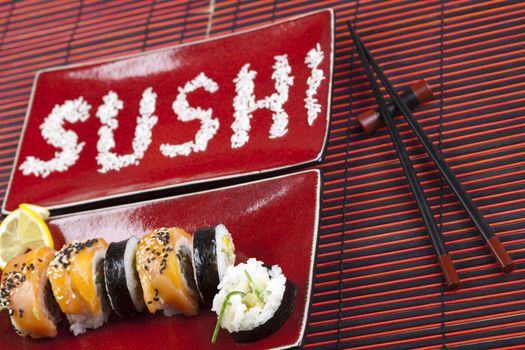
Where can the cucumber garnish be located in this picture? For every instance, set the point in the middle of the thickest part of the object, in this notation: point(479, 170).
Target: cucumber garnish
point(228, 248)
point(253, 286)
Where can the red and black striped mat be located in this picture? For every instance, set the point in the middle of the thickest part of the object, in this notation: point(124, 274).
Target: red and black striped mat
point(377, 284)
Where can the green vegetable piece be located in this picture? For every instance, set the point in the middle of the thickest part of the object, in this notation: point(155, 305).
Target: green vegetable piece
point(228, 248)
point(253, 286)
point(221, 314)
point(251, 300)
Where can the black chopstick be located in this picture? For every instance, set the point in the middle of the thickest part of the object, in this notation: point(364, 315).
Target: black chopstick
point(493, 242)
point(445, 262)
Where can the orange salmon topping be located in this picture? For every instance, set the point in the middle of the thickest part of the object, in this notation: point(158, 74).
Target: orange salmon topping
point(22, 293)
point(71, 275)
point(161, 273)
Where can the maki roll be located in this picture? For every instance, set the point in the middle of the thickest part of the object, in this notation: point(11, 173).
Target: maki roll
point(122, 281)
point(166, 272)
point(253, 301)
point(77, 279)
point(213, 252)
point(26, 293)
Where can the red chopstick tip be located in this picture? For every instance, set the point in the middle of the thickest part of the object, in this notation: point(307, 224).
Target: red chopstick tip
point(503, 258)
point(449, 271)
point(370, 121)
point(423, 91)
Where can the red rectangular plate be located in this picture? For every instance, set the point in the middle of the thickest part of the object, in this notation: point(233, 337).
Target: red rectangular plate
point(83, 141)
point(273, 220)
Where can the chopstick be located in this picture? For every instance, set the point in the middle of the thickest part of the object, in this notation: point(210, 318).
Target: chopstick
point(445, 262)
point(492, 241)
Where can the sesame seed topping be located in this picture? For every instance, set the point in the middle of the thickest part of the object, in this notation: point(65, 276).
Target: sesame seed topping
point(152, 254)
point(64, 258)
point(10, 282)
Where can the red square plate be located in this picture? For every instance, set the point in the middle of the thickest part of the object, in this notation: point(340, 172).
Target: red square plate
point(235, 105)
point(274, 220)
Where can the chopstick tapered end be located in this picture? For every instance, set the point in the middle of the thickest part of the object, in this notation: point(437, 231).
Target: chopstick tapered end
point(449, 272)
point(503, 258)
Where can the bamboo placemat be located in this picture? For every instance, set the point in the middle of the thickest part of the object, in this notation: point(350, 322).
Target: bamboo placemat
point(377, 284)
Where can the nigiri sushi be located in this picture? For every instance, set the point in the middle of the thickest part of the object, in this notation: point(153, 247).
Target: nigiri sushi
point(166, 272)
point(77, 279)
point(213, 252)
point(26, 293)
point(254, 301)
point(122, 281)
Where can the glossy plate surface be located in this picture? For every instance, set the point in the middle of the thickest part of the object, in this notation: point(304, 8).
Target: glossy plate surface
point(273, 220)
point(167, 72)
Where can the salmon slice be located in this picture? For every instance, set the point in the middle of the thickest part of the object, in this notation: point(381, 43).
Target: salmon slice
point(73, 273)
point(24, 291)
point(166, 273)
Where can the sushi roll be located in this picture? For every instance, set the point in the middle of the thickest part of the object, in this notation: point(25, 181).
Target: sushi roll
point(26, 293)
point(77, 279)
point(166, 272)
point(213, 252)
point(122, 281)
point(253, 301)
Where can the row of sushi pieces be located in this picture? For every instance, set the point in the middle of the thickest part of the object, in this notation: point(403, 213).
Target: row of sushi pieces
point(167, 270)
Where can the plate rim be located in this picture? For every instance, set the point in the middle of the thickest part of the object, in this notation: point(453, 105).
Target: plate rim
point(70, 204)
point(315, 233)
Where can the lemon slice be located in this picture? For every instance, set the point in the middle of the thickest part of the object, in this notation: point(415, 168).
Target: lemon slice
point(20, 231)
point(42, 212)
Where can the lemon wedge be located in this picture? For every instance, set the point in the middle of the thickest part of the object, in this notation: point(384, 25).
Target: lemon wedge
point(42, 212)
point(21, 231)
